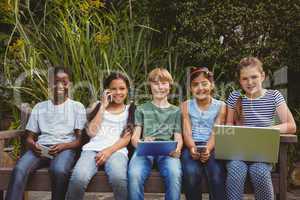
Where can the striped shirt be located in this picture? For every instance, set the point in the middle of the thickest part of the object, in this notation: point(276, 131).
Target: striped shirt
point(257, 112)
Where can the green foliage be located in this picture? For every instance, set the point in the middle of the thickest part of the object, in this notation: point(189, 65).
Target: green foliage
point(267, 29)
point(93, 38)
point(90, 37)
point(294, 150)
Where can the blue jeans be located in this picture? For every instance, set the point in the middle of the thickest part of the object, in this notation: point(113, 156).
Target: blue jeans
point(194, 170)
point(59, 170)
point(260, 176)
point(140, 169)
point(115, 168)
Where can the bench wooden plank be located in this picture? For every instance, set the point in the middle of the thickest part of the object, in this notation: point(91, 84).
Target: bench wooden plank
point(288, 138)
point(282, 165)
point(11, 134)
point(40, 181)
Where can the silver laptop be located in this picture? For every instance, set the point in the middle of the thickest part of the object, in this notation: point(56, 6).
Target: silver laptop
point(257, 144)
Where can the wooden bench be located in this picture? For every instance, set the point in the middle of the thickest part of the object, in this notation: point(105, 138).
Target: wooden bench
point(40, 180)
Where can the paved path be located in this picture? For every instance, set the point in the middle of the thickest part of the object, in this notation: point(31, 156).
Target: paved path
point(108, 196)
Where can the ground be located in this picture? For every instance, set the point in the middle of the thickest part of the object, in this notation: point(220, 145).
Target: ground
point(293, 195)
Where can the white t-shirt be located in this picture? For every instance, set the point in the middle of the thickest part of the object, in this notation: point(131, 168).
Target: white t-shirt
point(109, 132)
point(55, 124)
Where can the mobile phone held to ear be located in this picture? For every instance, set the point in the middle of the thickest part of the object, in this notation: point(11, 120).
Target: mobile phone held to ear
point(109, 98)
point(108, 95)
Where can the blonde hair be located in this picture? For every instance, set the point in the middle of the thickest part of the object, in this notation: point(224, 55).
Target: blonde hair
point(160, 74)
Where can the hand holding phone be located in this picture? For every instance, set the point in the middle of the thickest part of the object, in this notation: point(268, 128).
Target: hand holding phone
point(201, 148)
point(45, 152)
point(194, 153)
point(106, 98)
point(204, 153)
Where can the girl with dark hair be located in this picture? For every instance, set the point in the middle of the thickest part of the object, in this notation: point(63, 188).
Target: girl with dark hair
point(109, 129)
point(254, 106)
point(199, 115)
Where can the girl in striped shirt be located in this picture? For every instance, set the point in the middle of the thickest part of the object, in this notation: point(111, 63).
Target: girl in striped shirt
point(254, 106)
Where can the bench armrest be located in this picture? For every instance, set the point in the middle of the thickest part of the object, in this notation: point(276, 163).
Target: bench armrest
point(9, 134)
point(288, 138)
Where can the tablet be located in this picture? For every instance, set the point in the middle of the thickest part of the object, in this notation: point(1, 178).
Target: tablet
point(156, 148)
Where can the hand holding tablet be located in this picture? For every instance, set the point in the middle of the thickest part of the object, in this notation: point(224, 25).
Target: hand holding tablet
point(156, 148)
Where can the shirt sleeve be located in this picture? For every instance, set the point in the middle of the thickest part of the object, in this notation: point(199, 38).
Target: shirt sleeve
point(232, 99)
point(138, 117)
point(278, 98)
point(80, 117)
point(178, 122)
point(32, 124)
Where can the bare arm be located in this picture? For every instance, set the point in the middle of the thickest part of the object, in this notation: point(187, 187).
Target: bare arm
point(219, 120)
point(230, 116)
point(286, 118)
point(121, 143)
point(31, 143)
point(76, 143)
point(31, 138)
point(187, 128)
point(94, 125)
point(103, 155)
point(136, 136)
point(55, 149)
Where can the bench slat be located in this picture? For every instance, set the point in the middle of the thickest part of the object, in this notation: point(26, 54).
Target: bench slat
point(40, 181)
point(11, 134)
point(288, 138)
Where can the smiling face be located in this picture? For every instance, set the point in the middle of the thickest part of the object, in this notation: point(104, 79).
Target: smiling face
point(61, 85)
point(119, 90)
point(251, 79)
point(160, 89)
point(201, 87)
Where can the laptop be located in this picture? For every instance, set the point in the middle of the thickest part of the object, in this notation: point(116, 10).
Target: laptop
point(256, 144)
point(155, 148)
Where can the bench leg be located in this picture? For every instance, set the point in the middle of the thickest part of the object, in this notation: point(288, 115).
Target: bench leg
point(283, 171)
point(1, 194)
point(26, 196)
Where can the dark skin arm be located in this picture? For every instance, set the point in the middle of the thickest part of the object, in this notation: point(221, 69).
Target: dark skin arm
point(57, 148)
point(31, 143)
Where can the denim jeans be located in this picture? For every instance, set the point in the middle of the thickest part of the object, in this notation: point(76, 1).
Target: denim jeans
point(115, 168)
point(140, 169)
point(59, 169)
point(194, 170)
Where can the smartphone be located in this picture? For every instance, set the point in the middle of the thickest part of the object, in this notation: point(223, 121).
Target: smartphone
point(201, 148)
point(109, 98)
point(45, 151)
point(108, 94)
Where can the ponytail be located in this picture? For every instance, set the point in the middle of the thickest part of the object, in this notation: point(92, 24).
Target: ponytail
point(238, 112)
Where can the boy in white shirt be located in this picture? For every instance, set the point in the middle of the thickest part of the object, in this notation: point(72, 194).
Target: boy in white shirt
point(55, 124)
